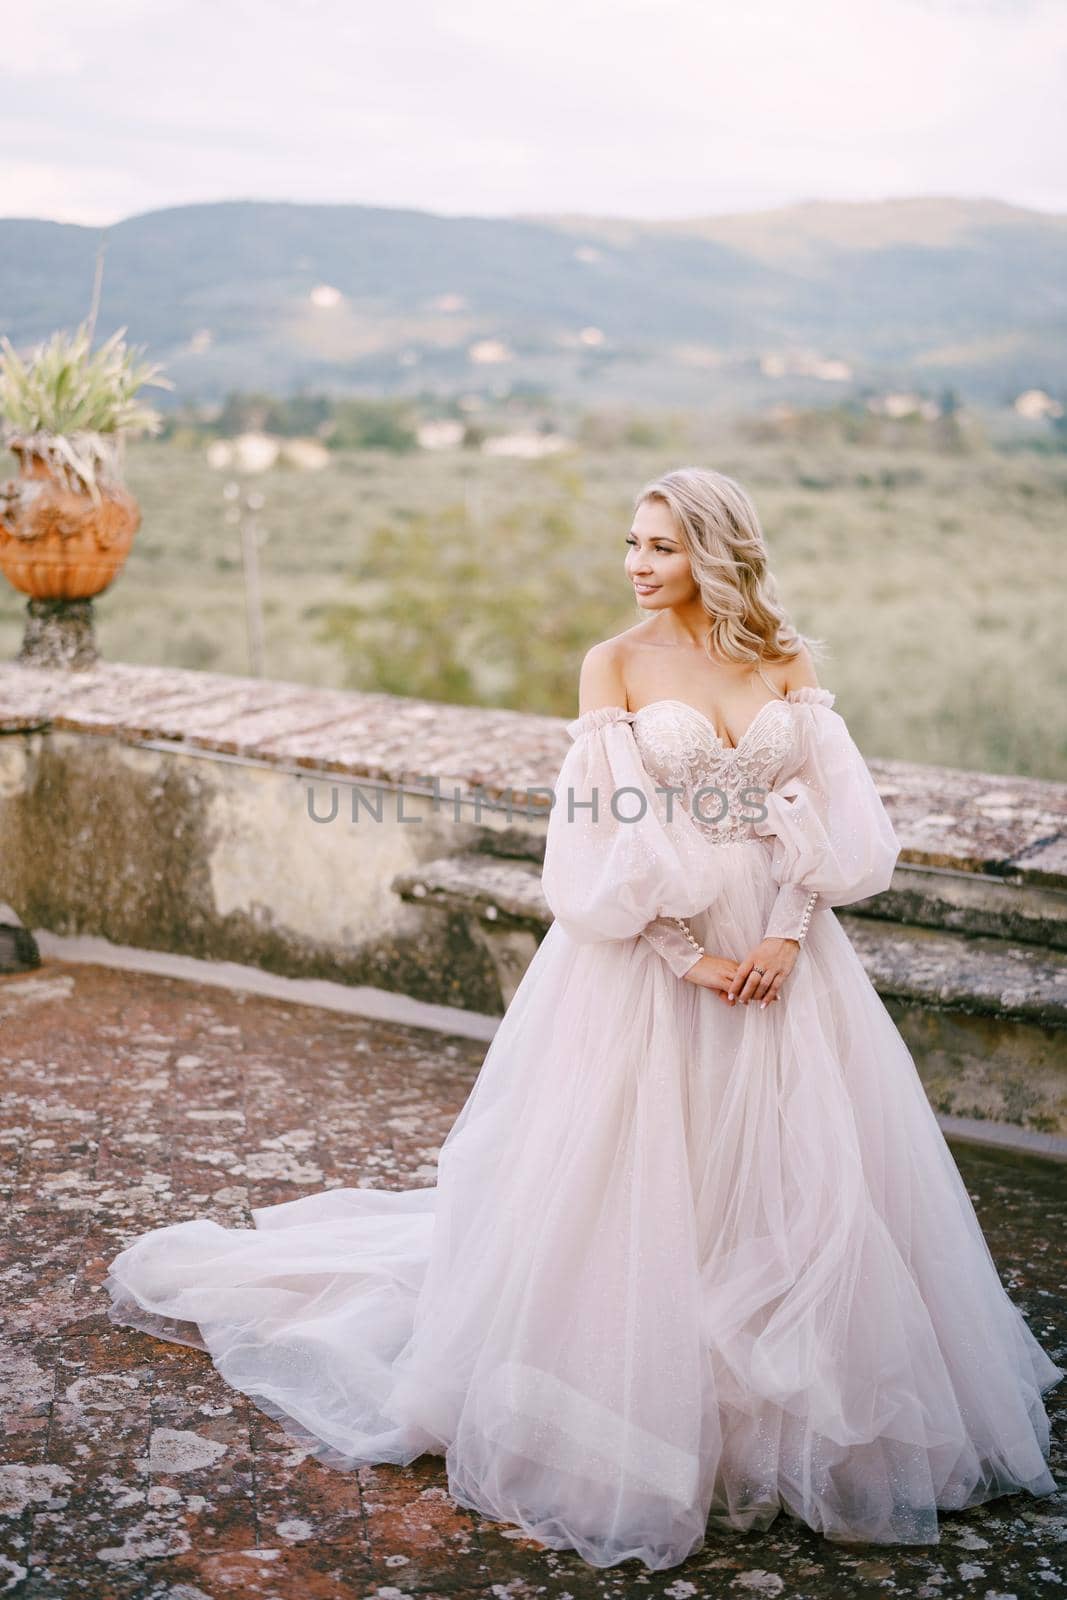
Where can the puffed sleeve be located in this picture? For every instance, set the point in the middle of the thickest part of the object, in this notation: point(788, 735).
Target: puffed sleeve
point(831, 839)
point(623, 858)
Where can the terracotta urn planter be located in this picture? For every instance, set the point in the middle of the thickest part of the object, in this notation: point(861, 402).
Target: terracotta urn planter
point(58, 543)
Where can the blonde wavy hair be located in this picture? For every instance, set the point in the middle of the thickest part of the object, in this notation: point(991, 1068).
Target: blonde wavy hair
point(720, 530)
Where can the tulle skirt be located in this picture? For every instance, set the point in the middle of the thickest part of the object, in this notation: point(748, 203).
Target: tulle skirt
point(685, 1266)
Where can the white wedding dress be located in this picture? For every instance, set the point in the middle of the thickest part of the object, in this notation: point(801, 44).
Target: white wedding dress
point(685, 1264)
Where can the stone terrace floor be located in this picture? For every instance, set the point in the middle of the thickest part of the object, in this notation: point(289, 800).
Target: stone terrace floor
point(131, 1469)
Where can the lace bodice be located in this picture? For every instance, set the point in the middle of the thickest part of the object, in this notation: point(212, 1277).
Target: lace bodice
point(719, 785)
point(794, 783)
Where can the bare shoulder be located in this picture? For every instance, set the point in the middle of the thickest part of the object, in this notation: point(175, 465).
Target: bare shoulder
point(603, 677)
point(605, 673)
point(800, 671)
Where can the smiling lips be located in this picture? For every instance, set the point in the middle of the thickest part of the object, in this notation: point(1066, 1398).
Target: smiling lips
point(646, 588)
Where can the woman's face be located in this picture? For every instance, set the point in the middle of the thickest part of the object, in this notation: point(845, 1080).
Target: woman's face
point(656, 563)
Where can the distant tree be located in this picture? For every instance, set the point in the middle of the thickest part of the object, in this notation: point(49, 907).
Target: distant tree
point(300, 414)
point(946, 432)
point(243, 412)
point(373, 425)
point(1059, 426)
point(452, 608)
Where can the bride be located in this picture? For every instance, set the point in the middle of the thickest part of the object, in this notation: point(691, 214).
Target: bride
point(697, 1253)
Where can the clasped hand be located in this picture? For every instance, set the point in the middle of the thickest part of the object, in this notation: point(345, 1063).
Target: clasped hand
point(737, 981)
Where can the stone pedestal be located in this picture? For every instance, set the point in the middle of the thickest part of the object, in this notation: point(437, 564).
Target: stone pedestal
point(18, 949)
point(59, 634)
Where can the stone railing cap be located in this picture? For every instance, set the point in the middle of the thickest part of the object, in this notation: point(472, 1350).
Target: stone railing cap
point(944, 816)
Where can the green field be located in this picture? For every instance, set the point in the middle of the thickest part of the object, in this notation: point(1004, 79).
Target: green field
point(936, 578)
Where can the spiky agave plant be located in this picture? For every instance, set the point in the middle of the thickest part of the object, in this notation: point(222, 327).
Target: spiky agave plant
point(71, 408)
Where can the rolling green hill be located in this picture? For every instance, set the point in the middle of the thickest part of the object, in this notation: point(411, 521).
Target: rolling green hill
point(722, 311)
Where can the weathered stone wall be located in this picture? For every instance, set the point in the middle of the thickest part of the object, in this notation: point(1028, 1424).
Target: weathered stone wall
point(170, 810)
point(222, 859)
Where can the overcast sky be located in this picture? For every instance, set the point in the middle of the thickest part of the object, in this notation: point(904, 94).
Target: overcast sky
point(649, 108)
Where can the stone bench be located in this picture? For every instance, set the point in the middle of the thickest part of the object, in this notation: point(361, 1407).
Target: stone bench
point(976, 974)
point(985, 1017)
